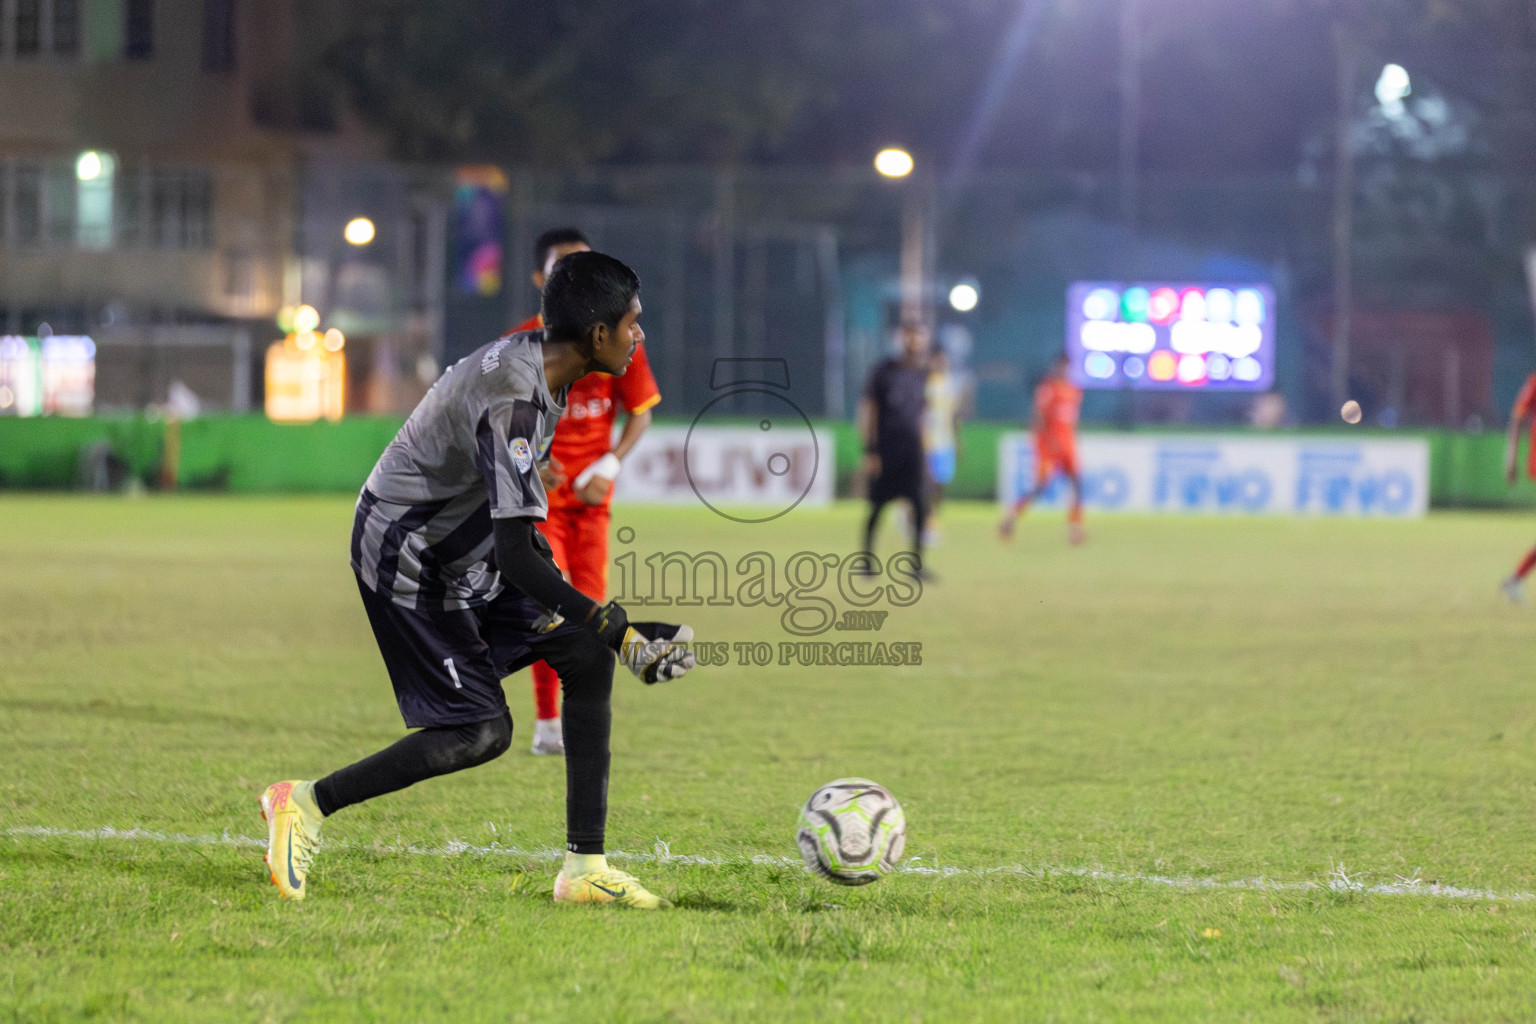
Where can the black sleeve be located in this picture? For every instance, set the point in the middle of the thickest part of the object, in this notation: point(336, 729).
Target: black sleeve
point(534, 573)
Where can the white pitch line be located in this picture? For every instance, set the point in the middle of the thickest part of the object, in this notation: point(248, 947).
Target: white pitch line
point(1338, 879)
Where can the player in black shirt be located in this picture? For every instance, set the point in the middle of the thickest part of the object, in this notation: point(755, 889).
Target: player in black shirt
point(891, 425)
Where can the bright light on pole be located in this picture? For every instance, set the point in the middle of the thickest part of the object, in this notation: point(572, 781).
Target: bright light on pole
point(359, 231)
point(88, 167)
point(1393, 86)
point(964, 296)
point(898, 163)
point(893, 163)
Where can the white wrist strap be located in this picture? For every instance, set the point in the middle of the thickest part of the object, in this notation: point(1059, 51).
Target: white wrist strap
point(606, 467)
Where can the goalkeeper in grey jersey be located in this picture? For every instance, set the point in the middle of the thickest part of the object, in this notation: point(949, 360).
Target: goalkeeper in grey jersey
point(461, 590)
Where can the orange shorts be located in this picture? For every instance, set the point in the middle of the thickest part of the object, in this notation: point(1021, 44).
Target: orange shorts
point(579, 539)
point(1052, 459)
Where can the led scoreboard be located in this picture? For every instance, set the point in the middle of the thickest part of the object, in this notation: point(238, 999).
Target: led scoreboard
point(1171, 337)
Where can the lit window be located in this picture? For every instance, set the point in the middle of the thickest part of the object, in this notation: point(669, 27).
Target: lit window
point(95, 175)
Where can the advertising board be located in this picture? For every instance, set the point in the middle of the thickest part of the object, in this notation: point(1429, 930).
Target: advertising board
point(725, 466)
point(1216, 474)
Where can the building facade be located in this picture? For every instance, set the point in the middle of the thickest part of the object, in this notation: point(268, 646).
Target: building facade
point(155, 161)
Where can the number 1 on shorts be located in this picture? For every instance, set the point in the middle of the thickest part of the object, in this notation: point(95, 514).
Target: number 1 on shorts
point(453, 672)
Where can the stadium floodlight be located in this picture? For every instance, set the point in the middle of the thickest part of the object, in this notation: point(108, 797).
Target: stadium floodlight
point(359, 231)
point(1393, 86)
point(893, 163)
point(964, 296)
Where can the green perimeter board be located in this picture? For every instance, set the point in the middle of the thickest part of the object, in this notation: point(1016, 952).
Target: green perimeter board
point(251, 454)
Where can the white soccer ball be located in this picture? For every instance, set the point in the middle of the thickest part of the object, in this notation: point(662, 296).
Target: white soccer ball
point(851, 831)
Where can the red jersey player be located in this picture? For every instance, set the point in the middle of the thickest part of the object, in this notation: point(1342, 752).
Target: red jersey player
point(1057, 402)
point(582, 469)
point(1523, 412)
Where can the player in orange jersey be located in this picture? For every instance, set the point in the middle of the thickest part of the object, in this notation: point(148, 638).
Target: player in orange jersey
point(1523, 412)
point(582, 469)
point(1057, 402)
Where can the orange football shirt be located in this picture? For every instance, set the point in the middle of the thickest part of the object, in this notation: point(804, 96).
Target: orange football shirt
point(585, 432)
point(1057, 403)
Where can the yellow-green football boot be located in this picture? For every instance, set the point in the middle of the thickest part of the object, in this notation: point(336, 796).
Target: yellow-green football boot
point(293, 834)
point(603, 884)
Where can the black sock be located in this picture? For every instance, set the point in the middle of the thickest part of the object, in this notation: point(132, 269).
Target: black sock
point(587, 724)
point(420, 755)
point(586, 717)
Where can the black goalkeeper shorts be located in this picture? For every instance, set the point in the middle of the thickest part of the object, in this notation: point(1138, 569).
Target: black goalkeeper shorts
point(447, 666)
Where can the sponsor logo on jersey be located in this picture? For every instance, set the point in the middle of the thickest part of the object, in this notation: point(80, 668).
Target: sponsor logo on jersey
point(592, 408)
point(522, 454)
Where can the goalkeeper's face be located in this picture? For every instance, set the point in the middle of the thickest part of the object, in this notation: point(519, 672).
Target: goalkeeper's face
point(613, 348)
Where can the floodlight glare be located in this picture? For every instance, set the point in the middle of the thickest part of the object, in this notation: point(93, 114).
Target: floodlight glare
point(1393, 85)
point(893, 163)
point(359, 231)
point(88, 167)
point(964, 296)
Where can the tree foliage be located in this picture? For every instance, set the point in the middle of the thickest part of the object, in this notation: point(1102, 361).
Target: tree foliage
point(1226, 85)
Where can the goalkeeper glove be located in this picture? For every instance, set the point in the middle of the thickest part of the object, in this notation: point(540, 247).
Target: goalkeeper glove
point(654, 651)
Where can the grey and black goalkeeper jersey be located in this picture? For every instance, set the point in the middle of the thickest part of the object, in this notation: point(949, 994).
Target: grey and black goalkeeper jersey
point(467, 455)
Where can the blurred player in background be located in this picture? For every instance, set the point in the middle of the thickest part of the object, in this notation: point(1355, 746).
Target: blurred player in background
point(1057, 404)
point(461, 591)
point(891, 425)
point(1524, 412)
point(579, 478)
point(941, 419)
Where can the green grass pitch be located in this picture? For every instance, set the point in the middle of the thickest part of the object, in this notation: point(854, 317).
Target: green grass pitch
point(1130, 730)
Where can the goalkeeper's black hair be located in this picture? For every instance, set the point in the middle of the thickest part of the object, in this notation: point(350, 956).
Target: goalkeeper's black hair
point(585, 289)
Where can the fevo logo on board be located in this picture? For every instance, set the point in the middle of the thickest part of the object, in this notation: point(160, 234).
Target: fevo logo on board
point(1205, 474)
